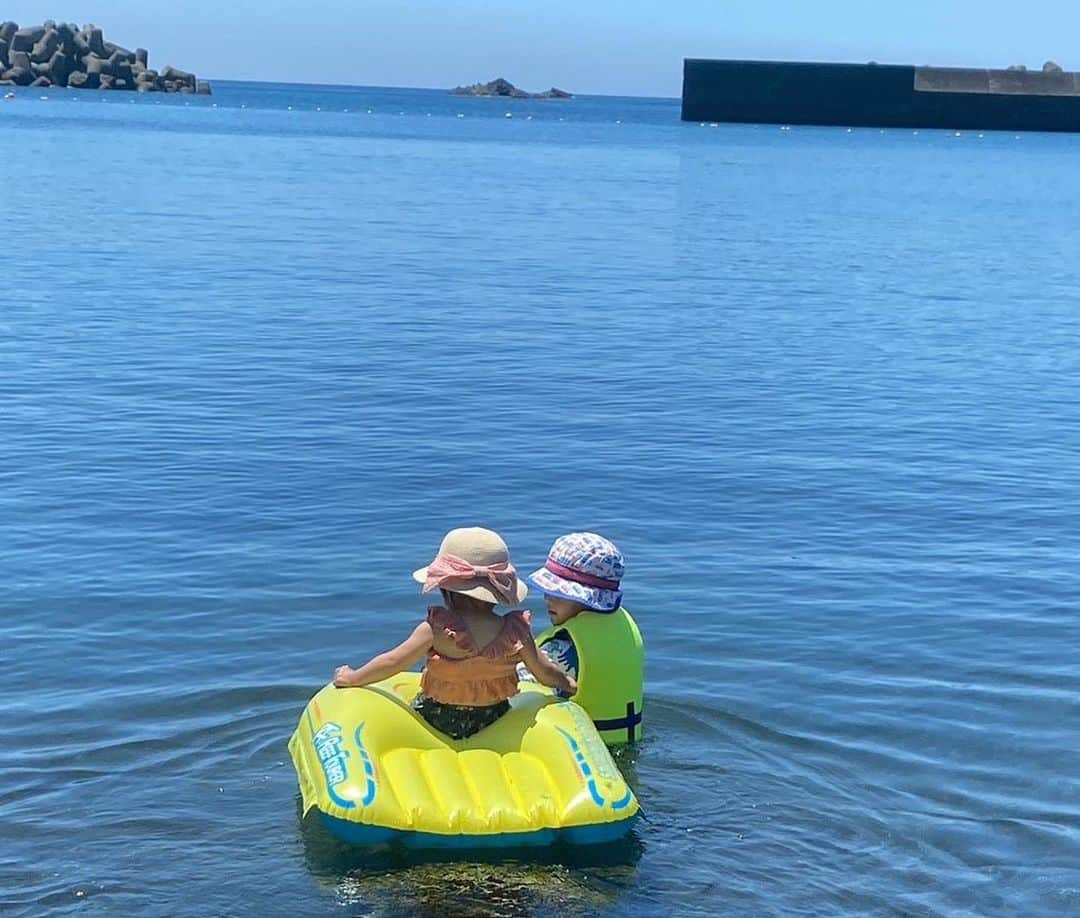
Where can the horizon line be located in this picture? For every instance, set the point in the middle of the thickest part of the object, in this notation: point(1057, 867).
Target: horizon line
point(601, 95)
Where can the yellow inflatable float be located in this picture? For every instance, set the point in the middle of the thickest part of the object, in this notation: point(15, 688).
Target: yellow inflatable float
point(377, 772)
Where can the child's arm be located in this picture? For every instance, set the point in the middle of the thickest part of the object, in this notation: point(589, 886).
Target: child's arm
point(544, 670)
point(406, 655)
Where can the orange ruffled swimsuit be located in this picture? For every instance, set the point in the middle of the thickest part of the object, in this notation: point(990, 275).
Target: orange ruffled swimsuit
point(480, 676)
point(459, 696)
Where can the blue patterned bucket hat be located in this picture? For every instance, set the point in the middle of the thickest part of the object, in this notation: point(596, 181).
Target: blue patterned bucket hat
point(585, 568)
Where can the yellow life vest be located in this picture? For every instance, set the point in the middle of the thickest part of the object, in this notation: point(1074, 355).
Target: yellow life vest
point(611, 671)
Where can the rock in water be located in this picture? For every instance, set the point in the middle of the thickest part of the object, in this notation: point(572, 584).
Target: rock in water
point(25, 39)
point(66, 54)
point(116, 61)
point(129, 56)
point(95, 66)
point(46, 47)
point(59, 68)
point(507, 90)
point(172, 74)
point(20, 76)
point(95, 41)
point(67, 38)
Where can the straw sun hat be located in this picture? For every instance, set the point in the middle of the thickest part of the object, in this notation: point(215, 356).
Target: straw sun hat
point(474, 562)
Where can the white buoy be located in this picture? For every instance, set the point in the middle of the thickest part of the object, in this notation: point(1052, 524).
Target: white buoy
point(508, 115)
point(460, 115)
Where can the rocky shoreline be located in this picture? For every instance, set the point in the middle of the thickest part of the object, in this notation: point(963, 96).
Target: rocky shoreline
point(507, 90)
point(64, 55)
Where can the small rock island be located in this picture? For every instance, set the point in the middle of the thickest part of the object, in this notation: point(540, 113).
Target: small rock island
point(507, 90)
point(64, 55)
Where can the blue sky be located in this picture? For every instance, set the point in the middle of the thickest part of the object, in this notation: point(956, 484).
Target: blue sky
point(632, 47)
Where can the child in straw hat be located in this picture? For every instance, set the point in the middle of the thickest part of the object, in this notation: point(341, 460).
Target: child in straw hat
point(471, 652)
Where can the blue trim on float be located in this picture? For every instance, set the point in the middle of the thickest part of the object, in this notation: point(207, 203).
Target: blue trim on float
point(579, 756)
point(598, 835)
point(356, 834)
point(369, 769)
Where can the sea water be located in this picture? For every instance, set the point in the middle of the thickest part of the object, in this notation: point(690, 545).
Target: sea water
point(258, 352)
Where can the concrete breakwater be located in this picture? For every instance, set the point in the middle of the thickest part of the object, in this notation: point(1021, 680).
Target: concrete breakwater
point(876, 95)
point(62, 54)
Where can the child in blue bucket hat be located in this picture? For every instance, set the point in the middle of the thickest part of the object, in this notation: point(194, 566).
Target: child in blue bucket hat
point(591, 635)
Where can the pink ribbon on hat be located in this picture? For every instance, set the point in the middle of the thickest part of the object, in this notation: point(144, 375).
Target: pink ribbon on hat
point(447, 568)
point(569, 573)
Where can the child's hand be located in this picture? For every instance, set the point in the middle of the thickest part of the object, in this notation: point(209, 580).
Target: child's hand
point(571, 685)
point(343, 676)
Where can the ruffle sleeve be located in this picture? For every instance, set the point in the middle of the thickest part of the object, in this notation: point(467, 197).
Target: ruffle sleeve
point(443, 621)
point(517, 631)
